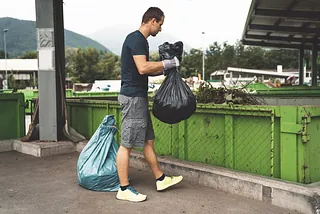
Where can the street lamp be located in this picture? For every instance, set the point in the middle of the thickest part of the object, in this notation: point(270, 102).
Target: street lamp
point(5, 55)
point(203, 55)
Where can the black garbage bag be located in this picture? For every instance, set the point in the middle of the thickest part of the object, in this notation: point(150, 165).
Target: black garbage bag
point(174, 101)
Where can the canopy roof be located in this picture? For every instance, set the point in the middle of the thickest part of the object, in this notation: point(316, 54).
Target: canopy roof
point(292, 24)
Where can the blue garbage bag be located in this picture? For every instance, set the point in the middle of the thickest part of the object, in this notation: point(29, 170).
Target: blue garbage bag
point(97, 169)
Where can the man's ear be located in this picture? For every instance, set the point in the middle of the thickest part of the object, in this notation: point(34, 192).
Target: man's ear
point(153, 20)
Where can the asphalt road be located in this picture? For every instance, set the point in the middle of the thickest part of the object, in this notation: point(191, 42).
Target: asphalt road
point(49, 186)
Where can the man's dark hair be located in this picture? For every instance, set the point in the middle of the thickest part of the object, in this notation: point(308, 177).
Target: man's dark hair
point(152, 12)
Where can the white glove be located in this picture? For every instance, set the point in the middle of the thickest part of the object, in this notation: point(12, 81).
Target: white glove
point(171, 63)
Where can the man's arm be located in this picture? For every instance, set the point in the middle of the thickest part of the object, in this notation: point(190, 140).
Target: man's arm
point(146, 67)
point(154, 68)
point(156, 73)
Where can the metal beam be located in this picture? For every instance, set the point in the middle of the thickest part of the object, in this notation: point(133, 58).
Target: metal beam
point(60, 65)
point(288, 14)
point(301, 67)
point(292, 5)
point(284, 29)
point(253, 5)
point(277, 23)
point(276, 45)
point(314, 78)
point(281, 38)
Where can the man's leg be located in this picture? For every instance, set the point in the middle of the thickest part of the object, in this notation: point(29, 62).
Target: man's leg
point(126, 192)
point(128, 135)
point(123, 156)
point(163, 182)
point(151, 158)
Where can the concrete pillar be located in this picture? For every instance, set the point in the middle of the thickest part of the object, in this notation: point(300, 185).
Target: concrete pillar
point(301, 67)
point(49, 24)
point(314, 64)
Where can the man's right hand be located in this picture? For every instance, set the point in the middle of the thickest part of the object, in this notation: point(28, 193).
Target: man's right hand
point(170, 63)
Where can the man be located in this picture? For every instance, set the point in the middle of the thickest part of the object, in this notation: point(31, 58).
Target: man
point(137, 130)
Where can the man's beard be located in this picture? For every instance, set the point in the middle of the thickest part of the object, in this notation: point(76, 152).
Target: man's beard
point(154, 34)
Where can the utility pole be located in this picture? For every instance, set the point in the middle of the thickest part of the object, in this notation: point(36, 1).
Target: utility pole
point(203, 52)
point(5, 57)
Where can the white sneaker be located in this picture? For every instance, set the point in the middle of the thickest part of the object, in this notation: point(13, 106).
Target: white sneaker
point(168, 182)
point(130, 194)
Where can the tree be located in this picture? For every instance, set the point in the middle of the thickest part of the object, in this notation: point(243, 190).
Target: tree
point(254, 57)
point(11, 81)
point(88, 65)
point(109, 67)
point(191, 63)
point(117, 70)
point(29, 55)
point(69, 62)
point(2, 55)
point(228, 56)
point(154, 57)
point(221, 56)
point(214, 60)
point(84, 65)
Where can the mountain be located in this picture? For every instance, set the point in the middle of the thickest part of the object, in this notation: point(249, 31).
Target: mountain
point(21, 37)
point(113, 37)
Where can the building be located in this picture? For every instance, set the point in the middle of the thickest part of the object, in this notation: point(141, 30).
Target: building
point(21, 69)
point(235, 75)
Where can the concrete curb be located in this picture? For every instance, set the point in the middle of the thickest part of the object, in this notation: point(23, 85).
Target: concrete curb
point(42, 149)
point(293, 196)
point(38, 149)
point(6, 145)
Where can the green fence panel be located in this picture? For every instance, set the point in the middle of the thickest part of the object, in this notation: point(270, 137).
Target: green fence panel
point(273, 141)
point(206, 148)
point(289, 143)
point(309, 158)
point(12, 114)
point(163, 132)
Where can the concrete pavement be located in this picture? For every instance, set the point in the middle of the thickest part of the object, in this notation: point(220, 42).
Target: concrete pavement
point(48, 185)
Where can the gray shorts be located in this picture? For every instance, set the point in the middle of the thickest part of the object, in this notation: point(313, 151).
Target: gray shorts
point(136, 127)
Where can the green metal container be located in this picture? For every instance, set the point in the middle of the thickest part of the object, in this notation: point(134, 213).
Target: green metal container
point(12, 116)
point(274, 141)
point(94, 94)
point(296, 91)
point(5, 91)
point(31, 94)
point(87, 94)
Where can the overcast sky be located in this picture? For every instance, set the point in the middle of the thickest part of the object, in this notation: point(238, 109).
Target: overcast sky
point(221, 20)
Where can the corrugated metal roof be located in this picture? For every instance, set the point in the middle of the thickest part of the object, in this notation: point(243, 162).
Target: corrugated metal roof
point(19, 65)
point(283, 23)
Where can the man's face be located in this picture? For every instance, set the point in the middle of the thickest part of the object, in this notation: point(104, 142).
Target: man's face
point(156, 26)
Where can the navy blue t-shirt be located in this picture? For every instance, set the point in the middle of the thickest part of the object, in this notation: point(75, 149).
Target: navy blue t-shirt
point(133, 84)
